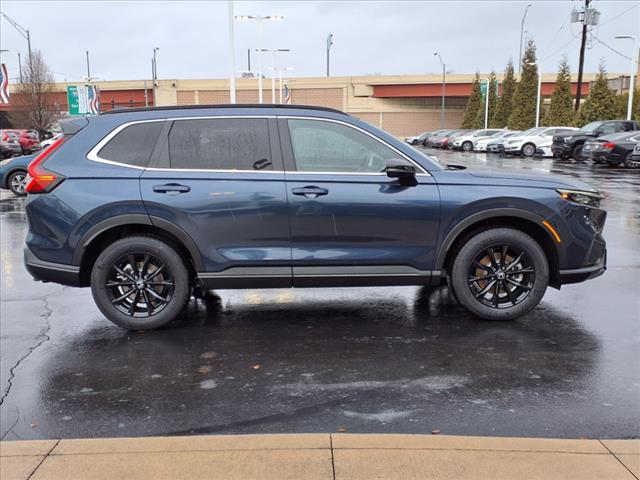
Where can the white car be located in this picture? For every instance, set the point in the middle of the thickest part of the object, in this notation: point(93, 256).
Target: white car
point(527, 142)
point(418, 138)
point(481, 145)
point(466, 142)
point(49, 141)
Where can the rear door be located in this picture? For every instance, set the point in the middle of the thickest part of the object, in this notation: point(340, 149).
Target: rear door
point(350, 223)
point(219, 180)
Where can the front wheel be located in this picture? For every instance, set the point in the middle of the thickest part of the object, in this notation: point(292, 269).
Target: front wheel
point(630, 162)
point(528, 149)
point(17, 183)
point(500, 274)
point(467, 146)
point(140, 283)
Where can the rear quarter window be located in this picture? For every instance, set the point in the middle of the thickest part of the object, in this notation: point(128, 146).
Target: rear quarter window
point(133, 145)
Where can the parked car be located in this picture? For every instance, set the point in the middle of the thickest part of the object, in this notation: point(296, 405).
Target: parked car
point(543, 148)
point(29, 140)
point(634, 160)
point(150, 206)
point(527, 142)
point(497, 146)
point(613, 149)
point(569, 144)
point(433, 140)
point(418, 139)
point(49, 141)
point(466, 142)
point(9, 144)
point(445, 142)
point(13, 174)
point(481, 145)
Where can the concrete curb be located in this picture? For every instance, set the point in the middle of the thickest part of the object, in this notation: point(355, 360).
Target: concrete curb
point(320, 456)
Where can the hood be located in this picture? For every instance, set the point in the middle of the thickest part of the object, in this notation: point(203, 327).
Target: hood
point(505, 178)
point(575, 133)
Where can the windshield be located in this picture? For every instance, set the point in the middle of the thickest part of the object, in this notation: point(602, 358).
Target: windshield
point(531, 131)
point(590, 127)
point(498, 134)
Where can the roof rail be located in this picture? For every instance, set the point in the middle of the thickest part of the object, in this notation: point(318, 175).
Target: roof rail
point(235, 105)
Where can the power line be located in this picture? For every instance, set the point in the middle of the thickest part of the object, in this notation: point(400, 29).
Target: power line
point(613, 49)
point(574, 38)
point(619, 15)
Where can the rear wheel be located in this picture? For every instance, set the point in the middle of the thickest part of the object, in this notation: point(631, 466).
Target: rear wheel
point(577, 153)
point(528, 149)
point(629, 162)
point(140, 283)
point(500, 274)
point(467, 146)
point(17, 182)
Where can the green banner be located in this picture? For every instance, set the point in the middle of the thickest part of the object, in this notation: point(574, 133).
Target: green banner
point(73, 100)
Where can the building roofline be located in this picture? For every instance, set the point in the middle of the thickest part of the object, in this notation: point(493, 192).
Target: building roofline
point(221, 106)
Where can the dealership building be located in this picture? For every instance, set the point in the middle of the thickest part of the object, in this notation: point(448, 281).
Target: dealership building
point(403, 104)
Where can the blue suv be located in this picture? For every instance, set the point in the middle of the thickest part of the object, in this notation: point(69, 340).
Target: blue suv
point(152, 206)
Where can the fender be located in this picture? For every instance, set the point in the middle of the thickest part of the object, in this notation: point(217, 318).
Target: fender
point(139, 219)
point(486, 215)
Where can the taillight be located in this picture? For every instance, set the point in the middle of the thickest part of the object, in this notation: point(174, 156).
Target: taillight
point(42, 180)
point(609, 145)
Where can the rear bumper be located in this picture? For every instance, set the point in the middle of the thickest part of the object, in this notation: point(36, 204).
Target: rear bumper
point(51, 272)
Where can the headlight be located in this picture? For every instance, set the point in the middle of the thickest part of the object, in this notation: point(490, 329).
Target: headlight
point(567, 139)
point(592, 199)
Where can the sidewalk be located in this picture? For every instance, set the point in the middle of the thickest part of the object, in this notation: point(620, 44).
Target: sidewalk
point(320, 456)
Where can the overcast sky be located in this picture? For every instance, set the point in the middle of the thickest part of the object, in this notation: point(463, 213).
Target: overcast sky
point(390, 38)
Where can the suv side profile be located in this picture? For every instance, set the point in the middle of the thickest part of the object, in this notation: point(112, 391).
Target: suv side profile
point(151, 206)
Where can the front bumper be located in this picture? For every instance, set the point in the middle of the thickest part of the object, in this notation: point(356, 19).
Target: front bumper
point(51, 272)
point(561, 150)
point(586, 273)
point(512, 148)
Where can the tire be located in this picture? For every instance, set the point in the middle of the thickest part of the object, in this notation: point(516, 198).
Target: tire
point(576, 154)
point(517, 293)
point(17, 182)
point(414, 143)
point(145, 311)
point(629, 163)
point(528, 150)
point(467, 146)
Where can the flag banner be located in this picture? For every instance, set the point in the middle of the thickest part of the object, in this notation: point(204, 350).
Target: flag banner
point(4, 84)
point(83, 99)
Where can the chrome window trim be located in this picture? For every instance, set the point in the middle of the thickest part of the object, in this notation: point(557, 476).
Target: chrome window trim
point(93, 153)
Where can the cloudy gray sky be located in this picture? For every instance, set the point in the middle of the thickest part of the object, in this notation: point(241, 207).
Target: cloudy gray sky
point(369, 37)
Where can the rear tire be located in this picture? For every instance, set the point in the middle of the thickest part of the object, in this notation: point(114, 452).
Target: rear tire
point(467, 146)
point(151, 271)
point(576, 154)
point(629, 163)
point(516, 277)
point(528, 149)
point(17, 183)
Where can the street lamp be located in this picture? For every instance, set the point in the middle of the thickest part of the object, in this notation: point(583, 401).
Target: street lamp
point(280, 70)
point(631, 78)
point(521, 35)
point(273, 66)
point(443, 89)
point(259, 20)
point(22, 31)
point(539, 93)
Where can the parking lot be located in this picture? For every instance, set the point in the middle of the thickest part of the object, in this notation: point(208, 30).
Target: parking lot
point(403, 360)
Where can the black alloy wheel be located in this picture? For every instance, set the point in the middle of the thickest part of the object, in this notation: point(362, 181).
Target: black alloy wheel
point(140, 285)
point(501, 276)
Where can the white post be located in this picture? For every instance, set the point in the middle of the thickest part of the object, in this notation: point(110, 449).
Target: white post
point(232, 77)
point(538, 98)
point(259, 21)
point(273, 76)
point(486, 105)
point(631, 80)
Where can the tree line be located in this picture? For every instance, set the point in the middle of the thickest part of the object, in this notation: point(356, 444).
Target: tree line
point(516, 107)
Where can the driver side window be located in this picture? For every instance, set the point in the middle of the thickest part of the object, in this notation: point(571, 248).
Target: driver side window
point(320, 146)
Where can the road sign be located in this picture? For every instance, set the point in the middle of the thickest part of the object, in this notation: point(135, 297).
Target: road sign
point(83, 99)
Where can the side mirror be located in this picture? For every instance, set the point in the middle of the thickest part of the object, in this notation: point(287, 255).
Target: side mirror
point(402, 170)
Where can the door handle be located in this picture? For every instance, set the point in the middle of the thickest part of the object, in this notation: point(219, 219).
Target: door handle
point(171, 188)
point(310, 191)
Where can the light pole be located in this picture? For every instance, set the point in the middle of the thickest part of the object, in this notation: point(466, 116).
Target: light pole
point(443, 89)
point(232, 55)
point(88, 69)
point(273, 67)
point(521, 35)
point(486, 105)
point(631, 77)
point(24, 32)
point(539, 92)
point(329, 44)
point(280, 70)
point(259, 20)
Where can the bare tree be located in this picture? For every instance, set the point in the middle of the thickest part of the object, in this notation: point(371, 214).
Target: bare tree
point(34, 99)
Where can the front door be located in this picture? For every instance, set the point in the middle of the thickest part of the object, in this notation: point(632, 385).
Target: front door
point(350, 223)
point(220, 181)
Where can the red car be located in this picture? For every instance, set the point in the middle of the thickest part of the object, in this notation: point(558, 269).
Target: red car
point(29, 140)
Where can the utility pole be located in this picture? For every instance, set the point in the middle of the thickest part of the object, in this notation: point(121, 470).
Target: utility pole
point(88, 69)
point(583, 43)
point(20, 67)
point(24, 32)
point(521, 35)
point(329, 44)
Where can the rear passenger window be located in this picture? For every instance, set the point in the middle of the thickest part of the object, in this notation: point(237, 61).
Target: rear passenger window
point(220, 144)
point(133, 145)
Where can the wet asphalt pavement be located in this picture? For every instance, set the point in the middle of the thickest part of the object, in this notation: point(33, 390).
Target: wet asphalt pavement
point(404, 360)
